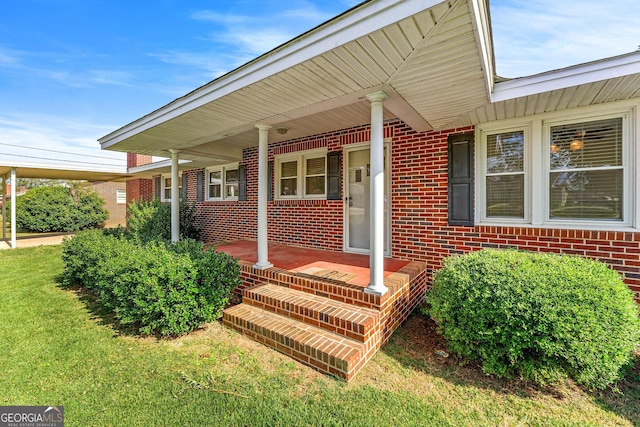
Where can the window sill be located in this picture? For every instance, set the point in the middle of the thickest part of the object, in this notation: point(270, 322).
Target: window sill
point(586, 226)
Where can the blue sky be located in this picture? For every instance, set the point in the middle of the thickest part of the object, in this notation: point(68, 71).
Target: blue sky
point(72, 71)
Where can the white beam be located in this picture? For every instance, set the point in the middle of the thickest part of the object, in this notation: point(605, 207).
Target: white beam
point(13, 208)
point(376, 256)
point(263, 231)
point(175, 198)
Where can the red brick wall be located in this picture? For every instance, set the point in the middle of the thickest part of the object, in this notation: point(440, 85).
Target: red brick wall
point(418, 213)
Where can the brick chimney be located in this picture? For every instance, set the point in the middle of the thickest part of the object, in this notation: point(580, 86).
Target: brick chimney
point(139, 188)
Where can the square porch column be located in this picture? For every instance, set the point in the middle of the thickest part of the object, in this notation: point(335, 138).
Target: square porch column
point(263, 169)
point(376, 233)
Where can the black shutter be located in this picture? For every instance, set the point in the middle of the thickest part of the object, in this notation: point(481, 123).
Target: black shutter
point(242, 183)
point(183, 180)
point(461, 179)
point(200, 186)
point(270, 181)
point(334, 175)
point(158, 186)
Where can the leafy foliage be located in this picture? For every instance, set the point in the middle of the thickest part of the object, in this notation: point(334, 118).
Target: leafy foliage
point(539, 316)
point(157, 287)
point(151, 220)
point(60, 208)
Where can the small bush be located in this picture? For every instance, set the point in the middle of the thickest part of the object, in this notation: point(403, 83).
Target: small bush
point(539, 316)
point(59, 208)
point(151, 220)
point(160, 288)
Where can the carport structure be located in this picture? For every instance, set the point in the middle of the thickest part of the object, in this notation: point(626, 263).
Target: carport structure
point(11, 171)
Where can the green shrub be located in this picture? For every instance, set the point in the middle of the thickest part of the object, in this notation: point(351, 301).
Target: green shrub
point(151, 220)
point(59, 208)
point(539, 316)
point(159, 288)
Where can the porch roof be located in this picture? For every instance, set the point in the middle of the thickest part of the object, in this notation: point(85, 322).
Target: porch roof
point(433, 58)
point(58, 171)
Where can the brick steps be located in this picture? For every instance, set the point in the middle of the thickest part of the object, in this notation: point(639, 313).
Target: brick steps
point(354, 322)
point(326, 351)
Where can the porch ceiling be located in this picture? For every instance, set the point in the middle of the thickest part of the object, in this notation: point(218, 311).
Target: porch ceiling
point(429, 56)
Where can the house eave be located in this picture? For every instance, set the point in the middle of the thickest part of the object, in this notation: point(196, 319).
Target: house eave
point(351, 25)
point(604, 69)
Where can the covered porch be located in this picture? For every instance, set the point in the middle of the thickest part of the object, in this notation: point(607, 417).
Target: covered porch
point(313, 306)
point(349, 268)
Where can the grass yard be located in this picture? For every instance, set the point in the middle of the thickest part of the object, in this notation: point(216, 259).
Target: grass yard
point(57, 349)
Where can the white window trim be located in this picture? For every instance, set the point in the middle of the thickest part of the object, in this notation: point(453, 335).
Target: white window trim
point(163, 187)
point(537, 165)
point(626, 177)
point(301, 175)
point(481, 172)
point(222, 169)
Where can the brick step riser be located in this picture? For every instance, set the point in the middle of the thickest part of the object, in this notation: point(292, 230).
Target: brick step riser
point(332, 323)
point(306, 354)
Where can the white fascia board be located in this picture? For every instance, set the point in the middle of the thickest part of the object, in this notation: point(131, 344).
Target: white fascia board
point(61, 167)
point(484, 40)
point(567, 77)
point(343, 29)
point(149, 167)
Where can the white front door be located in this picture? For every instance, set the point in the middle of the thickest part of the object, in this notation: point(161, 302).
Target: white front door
point(357, 200)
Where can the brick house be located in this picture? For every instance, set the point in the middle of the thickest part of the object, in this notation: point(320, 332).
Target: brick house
point(385, 133)
point(114, 195)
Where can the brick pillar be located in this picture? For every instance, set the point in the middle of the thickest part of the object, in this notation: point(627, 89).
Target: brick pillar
point(139, 188)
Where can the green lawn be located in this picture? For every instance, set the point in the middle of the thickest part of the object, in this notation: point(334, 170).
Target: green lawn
point(56, 349)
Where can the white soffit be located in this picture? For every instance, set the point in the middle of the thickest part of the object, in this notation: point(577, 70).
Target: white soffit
point(425, 55)
point(356, 23)
point(600, 82)
point(611, 68)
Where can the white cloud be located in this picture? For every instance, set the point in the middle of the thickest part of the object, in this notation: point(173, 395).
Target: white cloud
point(237, 39)
point(532, 37)
point(37, 138)
point(9, 58)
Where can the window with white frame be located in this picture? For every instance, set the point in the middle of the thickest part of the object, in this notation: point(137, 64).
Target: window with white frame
point(166, 187)
point(574, 173)
point(302, 175)
point(505, 177)
point(586, 170)
point(222, 182)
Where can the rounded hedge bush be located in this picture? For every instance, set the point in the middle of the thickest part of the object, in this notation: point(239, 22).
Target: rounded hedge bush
point(538, 316)
point(60, 208)
point(156, 287)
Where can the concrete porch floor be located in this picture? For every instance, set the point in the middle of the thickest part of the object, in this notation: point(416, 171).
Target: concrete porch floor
point(346, 267)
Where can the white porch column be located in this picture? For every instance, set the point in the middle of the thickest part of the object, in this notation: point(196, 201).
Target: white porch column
point(175, 197)
point(263, 232)
point(4, 208)
point(13, 208)
point(376, 257)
